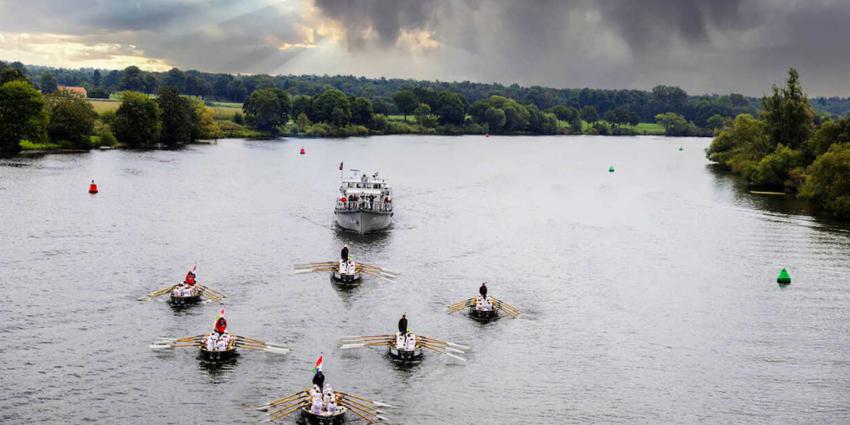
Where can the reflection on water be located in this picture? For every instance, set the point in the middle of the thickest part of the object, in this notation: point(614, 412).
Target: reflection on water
point(648, 295)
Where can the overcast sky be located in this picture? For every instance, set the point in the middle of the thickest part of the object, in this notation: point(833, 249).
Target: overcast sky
point(707, 46)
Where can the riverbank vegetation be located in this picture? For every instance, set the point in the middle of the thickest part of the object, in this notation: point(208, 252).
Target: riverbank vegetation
point(579, 111)
point(66, 120)
point(790, 149)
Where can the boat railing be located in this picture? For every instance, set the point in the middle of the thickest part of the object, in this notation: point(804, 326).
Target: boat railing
point(365, 206)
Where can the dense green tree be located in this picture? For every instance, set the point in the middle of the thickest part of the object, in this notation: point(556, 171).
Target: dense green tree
point(22, 116)
point(424, 117)
point(828, 133)
point(361, 111)
point(11, 74)
point(137, 121)
point(195, 85)
point(675, 124)
point(177, 117)
point(787, 114)
point(301, 105)
point(48, 83)
point(406, 102)
point(564, 113)
point(774, 169)
point(266, 109)
point(204, 124)
point(238, 118)
point(95, 79)
point(175, 79)
point(451, 108)
point(132, 79)
point(495, 119)
point(666, 99)
point(715, 122)
point(72, 119)
point(740, 145)
point(302, 122)
point(236, 91)
point(428, 96)
point(379, 123)
point(332, 106)
point(589, 114)
point(828, 182)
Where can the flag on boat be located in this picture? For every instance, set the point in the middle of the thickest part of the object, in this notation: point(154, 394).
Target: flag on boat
point(318, 365)
point(340, 166)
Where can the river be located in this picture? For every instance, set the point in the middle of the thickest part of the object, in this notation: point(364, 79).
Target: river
point(648, 295)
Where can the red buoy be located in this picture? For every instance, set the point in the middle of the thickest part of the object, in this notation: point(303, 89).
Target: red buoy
point(302, 151)
point(92, 188)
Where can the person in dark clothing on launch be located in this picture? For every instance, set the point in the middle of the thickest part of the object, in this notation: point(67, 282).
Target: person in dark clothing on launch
point(483, 290)
point(344, 253)
point(402, 324)
point(319, 380)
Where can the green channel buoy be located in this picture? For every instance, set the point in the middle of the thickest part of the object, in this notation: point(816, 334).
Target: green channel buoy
point(611, 169)
point(784, 278)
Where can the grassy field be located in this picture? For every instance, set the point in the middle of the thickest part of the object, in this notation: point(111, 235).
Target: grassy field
point(224, 112)
point(410, 118)
point(105, 105)
point(221, 110)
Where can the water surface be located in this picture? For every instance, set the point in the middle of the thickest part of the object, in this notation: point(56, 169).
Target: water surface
point(648, 294)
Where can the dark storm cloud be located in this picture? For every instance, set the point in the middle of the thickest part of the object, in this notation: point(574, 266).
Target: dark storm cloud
point(704, 46)
point(700, 45)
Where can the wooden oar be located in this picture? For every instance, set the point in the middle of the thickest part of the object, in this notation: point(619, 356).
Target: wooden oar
point(209, 293)
point(346, 338)
point(281, 400)
point(158, 292)
point(442, 347)
point(376, 403)
point(368, 420)
point(432, 348)
point(462, 347)
point(287, 412)
point(511, 307)
point(289, 403)
point(254, 344)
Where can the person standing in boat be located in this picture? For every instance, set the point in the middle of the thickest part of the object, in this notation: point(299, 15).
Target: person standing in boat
point(344, 253)
point(190, 277)
point(319, 380)
point(483, 290)
point(402, 324)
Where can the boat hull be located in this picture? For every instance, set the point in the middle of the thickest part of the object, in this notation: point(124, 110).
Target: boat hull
point(346, 279)
point(483, 316)
point(314, 419)
point(363, 221)
point(185, 301)
point(405, 356)
point(217, 356)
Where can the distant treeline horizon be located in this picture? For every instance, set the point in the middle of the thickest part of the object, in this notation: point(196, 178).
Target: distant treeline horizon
point(646, 104)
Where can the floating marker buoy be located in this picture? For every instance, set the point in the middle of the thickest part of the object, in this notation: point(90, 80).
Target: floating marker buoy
point(303, 151)
point(92, 188)
point(784, 278)
point(681, 148)
point(611, 169)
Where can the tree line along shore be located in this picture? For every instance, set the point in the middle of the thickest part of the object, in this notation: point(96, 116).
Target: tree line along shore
point(340, 106)
point(789, 148)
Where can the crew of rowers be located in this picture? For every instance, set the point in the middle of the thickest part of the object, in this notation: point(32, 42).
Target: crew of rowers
point(324, 401)
point(482, 301)
point(187, 287)
point(346, 263)
point(404, 339)
point(218, 339)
